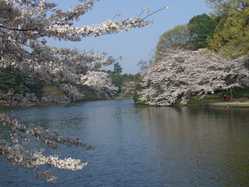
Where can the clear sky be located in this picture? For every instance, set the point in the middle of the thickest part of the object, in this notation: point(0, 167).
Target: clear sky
point(137, 44)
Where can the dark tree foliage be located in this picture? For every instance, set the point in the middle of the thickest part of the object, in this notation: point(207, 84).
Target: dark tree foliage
point(201, 29)
point(19, 82)
point(117, 68)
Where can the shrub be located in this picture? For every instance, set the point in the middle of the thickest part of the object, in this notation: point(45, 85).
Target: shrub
point(231, 38)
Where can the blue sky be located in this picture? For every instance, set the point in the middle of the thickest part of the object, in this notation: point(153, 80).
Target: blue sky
point(137, 44)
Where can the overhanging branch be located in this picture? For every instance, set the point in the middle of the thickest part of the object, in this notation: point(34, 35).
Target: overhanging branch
point(17, 29)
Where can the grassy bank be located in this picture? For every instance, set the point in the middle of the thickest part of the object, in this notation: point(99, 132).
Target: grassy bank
point(238, 97)
point(238, 104)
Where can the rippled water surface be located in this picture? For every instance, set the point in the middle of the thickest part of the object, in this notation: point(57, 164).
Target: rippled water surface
point(144, 146)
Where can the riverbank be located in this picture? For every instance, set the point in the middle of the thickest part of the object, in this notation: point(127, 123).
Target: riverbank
point(233, 104)
point(217, 100)
point(18, 88)
point(184, 76)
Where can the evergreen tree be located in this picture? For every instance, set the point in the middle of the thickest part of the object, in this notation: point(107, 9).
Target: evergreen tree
point(117, 68)
point(201, 29)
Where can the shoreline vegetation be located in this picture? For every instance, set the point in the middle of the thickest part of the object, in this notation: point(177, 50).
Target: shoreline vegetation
point(237, 98)
point(69, 81)
point(194, 61)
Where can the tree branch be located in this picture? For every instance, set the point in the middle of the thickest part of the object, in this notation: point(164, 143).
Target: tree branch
point(155, 12)
point(16, 29)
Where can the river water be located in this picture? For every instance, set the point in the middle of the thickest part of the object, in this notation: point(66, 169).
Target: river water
point(139, 146)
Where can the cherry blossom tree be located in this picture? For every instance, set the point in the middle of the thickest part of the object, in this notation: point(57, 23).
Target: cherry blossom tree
point(25, 26)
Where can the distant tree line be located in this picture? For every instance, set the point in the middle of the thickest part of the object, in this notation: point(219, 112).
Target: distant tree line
point(119, 78)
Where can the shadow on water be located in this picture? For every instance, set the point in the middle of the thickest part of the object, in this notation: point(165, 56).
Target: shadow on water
point(145, 146)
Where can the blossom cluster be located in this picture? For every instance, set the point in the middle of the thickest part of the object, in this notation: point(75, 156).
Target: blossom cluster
point(75, 13)
point(68, 32)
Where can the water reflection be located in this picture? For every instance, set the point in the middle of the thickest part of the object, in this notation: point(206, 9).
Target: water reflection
point(208, 146)
point(147, 146)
